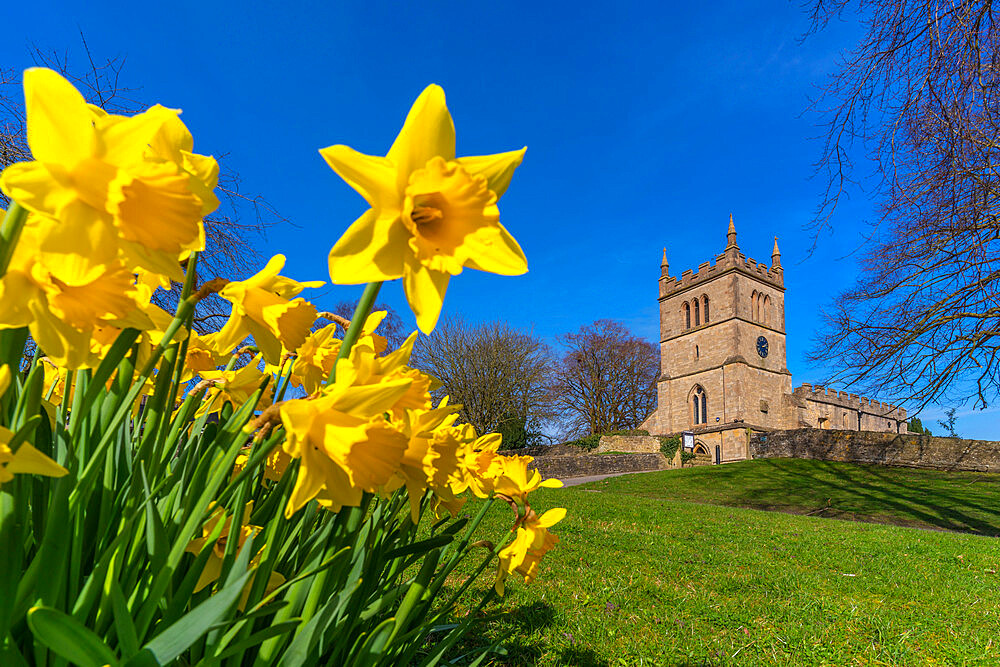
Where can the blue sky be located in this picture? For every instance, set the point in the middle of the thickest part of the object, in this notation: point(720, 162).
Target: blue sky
point(646, 125)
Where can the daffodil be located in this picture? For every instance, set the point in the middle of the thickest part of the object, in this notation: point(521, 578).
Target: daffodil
point(424, 452)
point(431, 215)
point(26, 460)
point(128, 188)
point(517, 480)
point(482, 465)
point(64, 302)
point(532, 541)
point(235, 386)
point(213, 566)
point(263, 307)
point(343, 441)
point(203, 353)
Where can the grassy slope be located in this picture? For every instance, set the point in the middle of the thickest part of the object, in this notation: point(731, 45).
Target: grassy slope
point(963, 501)
point(647, 581)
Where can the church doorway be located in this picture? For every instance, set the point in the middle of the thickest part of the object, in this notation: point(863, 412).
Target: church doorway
point(700, 448)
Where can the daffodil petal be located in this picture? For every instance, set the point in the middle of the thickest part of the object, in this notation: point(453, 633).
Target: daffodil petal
point(30, 185)
point(552, 517)
point(372, 249)
point(127, 138)
point(60, 126)
point(427, 132)
point(368, 400)
point(494, 250)
point(425, 291)
point(29, 460)
point(66, 346)
point(17, 291)
point(551, 483)
point(498, 168)
point(374, 177)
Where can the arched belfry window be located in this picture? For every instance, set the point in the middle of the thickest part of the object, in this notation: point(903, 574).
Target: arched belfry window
point(687, 315)
point(753, 306)
point(697, 313)
point(704, 308)
point(699, 405)
point(767, 310)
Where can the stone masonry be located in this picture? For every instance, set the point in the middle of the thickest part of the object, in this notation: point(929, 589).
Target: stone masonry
point(896, 449)
point(723, 370)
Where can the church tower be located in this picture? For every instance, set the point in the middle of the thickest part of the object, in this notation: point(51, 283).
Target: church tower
point(722, 351)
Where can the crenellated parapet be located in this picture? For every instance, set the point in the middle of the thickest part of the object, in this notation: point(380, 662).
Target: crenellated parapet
point(724, 262)
point(850, 401)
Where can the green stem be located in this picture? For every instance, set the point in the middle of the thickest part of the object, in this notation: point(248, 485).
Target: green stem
point(361, 312)
point(10, 232)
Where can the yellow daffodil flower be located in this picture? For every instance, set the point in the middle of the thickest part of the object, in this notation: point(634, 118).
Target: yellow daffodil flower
point(263, 308)
point(236, 386)
point(213, 567)
point(532, 541)
point(62, 316)
point(482, 465)
point(26, 460)
point(517, 480)
point(431, 213)
point(343, 441)
point(366, 367)
point(202, 353)
point(120, 187)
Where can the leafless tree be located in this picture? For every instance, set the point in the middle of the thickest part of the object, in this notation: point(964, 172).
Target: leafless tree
point(919, 93)
point(499, 375)
point(231, 231)
point(606, 380)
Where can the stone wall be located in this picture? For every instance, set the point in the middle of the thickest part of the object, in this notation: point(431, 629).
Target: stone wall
point(564, 467)
point(910, 450)
point(645, 444)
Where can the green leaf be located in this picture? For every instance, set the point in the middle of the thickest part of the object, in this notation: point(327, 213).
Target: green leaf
point(67, 637)
point(374, 646)
point(176, 639)
point(258, 638)
point(124, 624)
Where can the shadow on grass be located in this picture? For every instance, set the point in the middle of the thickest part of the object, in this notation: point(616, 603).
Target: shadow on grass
point(872, 492)
point(519, 626)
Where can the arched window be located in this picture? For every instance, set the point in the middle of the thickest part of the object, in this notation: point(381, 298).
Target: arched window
point(699, 405)
point(767, 310)
point(753, 306)
point(687, 315)
point(697, 313)
point(697, 353)
point(705, 308)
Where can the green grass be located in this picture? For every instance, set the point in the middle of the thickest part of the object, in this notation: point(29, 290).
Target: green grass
point(960, 501)
point(641, 578)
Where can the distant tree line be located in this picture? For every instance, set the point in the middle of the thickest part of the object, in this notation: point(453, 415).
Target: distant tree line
point(599, 379)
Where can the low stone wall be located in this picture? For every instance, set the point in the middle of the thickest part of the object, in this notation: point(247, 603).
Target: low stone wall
point(562, 467)
point(909, 450)
point(645, 444)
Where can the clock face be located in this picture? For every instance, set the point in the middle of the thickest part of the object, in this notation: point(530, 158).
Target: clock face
point(761, 346)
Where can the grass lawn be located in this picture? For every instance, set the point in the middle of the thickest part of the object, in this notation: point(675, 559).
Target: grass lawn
point(642, 578)
point(961, 501)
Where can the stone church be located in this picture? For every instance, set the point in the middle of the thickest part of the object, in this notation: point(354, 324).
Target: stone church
point(723, 372)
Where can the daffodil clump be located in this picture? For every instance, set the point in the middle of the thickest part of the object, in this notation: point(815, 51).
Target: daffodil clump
point(280, 491)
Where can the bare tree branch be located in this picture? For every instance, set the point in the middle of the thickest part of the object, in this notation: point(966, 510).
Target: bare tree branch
point(920, 93)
